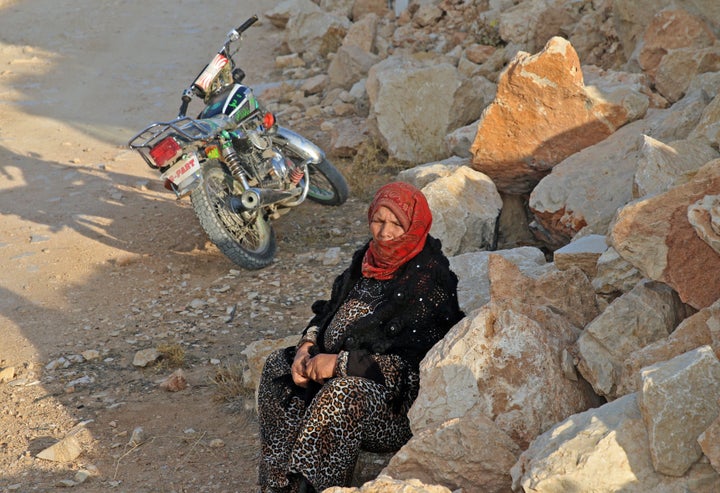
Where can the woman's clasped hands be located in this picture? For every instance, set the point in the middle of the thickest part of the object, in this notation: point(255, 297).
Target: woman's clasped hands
point(317, 368)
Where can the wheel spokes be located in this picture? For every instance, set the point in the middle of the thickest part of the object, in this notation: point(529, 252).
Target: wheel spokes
point(241, 225)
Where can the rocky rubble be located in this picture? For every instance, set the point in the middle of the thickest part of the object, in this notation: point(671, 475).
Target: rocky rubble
point(589, 354)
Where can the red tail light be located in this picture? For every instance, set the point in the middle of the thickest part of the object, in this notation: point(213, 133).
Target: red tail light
point(268, 120)
point(167, 150)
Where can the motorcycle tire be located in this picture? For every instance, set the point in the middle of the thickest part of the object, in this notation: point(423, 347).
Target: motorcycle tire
point(246, 238)
point(327, 184)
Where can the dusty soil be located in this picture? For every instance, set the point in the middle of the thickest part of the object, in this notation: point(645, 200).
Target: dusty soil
point(98, 259)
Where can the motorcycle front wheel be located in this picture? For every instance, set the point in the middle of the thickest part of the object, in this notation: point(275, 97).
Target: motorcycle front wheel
point(327, 184)
point(246, 238)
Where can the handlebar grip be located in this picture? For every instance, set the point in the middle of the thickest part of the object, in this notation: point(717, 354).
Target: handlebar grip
point(252, 20)
point(184, 106)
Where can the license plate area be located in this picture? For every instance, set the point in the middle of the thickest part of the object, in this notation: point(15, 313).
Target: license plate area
point(182, 170)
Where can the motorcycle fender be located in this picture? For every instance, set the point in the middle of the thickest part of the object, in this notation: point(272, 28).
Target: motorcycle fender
point(299, 145)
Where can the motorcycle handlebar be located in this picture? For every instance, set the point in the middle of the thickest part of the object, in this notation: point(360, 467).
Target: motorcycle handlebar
point(232, 36)
point(186, 98)
point(243, 27)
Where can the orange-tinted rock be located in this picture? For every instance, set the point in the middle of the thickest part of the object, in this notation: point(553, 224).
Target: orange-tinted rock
point(656, 236)
point(541, 114)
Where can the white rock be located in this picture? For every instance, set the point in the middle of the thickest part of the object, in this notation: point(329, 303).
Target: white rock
point(332, 256)
point(137, 437)
point(472, 271)
point(70, 447)
point(466, 206)
point(679, 400)
point(91, 354)
point(145, 357)
point(7, 374)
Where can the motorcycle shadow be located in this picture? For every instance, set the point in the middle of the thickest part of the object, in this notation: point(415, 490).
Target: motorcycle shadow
point(97, 201)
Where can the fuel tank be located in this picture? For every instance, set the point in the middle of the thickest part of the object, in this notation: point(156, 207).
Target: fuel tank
point(236, 101)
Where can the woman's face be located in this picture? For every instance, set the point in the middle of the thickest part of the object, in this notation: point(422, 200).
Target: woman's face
point(384, 225)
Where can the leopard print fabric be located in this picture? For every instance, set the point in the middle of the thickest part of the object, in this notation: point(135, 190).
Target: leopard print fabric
point(321, 440)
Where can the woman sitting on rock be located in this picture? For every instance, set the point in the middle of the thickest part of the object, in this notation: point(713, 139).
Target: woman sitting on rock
point(350, 381)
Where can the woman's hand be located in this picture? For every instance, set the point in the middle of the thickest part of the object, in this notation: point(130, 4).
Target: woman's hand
point(317, 368)
point(298, 370)
point(321, 367)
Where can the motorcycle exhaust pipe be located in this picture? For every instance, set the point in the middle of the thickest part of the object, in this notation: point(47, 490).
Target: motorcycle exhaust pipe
point(252, 198)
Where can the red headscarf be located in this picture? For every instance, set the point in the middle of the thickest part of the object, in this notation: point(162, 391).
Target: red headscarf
point(409, 205)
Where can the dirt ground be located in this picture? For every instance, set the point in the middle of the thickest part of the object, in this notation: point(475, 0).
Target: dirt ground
point(99, 260)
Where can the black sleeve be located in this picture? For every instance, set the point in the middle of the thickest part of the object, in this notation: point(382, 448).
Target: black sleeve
point(324, 310)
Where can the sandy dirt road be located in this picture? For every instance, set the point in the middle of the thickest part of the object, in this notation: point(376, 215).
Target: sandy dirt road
point(97, 256)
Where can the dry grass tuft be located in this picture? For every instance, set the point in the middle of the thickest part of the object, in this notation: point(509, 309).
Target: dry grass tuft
point(172, 355)
point(369, 169)
point(228, 381)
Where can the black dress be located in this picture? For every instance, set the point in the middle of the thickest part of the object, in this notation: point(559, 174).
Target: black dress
point(380, 331)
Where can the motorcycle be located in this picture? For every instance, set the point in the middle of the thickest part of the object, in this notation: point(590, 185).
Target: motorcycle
point(240, 168)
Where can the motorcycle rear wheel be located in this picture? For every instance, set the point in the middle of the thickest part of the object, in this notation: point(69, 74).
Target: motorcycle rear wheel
point(246, 238)
point(327, 184)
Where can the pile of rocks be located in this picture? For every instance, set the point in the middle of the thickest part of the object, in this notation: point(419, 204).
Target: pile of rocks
point(590, 130)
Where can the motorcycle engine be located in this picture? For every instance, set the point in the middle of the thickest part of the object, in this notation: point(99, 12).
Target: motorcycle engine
point(277, 164)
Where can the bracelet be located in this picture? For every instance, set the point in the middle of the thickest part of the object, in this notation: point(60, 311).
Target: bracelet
point(310, 335)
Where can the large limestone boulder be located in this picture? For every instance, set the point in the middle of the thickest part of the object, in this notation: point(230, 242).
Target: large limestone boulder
point(583, 192)
point(423, 175)
point(347, 135)
point(315, 34)
point(616, 429)
point(709, 441)
point(602, 450)
point(339, 7)
point(678, 401)
point(458, 141)
point(595, 38)
point(648, 313)
point(349, 65)
point(466, 207)
point(543, 113)
point(661, 165)
point(416, 101)
point(655, 236)
point(699, 329)
point(506, 363)
point(471, 453)
point(362, 8)
point(682, 118)
point(582, 253)
point(566, 292)
point(362, 33)
point(472, 271)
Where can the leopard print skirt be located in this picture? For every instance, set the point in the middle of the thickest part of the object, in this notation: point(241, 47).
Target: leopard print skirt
point(319, 436)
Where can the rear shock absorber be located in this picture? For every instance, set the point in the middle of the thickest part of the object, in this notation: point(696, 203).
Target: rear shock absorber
point(296, 175)
point(232, 159)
